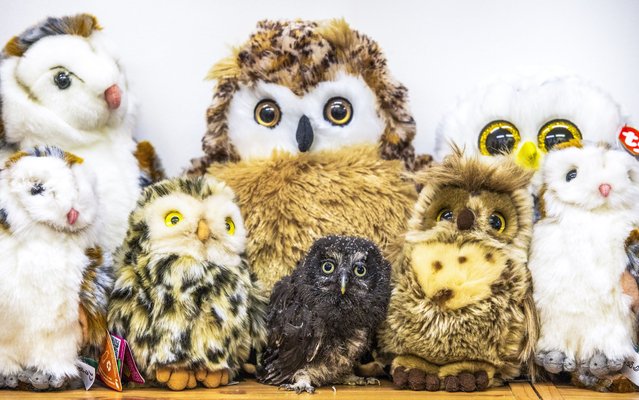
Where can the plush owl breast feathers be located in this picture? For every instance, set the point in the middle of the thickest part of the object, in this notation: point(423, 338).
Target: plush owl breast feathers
point(304, 86)
point(461, 316)
point(184, 297)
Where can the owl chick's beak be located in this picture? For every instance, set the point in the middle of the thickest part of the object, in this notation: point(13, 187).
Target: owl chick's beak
point(343, 280)
point(203, 231)
point(304, 134)
point(528, 156)
point(113, 97)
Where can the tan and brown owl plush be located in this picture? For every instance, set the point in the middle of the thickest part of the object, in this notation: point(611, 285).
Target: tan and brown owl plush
point(461, 315)
point(314, 137)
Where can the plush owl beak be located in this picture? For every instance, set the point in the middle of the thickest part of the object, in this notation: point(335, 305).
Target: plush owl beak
point(465, 219)
point(343, 280)
point(304, 134)
point(72, 216)
point(605, 189)
point(203, 231)
point(528, 156)
point(113, 97)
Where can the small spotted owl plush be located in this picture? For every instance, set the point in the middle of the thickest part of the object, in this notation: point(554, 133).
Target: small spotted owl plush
point(54, 286)
point(590, 197)
point(310, 130)
point(461, 315)
point(184, 297)
point(62, 84)
point(526, 114)
point(322, 317)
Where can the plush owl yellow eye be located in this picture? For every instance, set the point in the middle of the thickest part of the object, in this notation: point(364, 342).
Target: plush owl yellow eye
point(328, 267)
point(445, 214)
point(338, 111)
point(497, 222)
point(498, 137)
point(359, 269)
point(557, 131)
point(267, 113)
point(230, 226)
point(173, 218)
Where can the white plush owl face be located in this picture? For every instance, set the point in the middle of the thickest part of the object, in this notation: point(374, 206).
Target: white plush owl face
point(268, 117)
point(210, 229)
point(62, 90)
point(47, 191)
point(590, 178)
point(525, 116)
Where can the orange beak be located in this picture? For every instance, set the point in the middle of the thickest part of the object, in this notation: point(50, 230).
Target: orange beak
point(203, 231)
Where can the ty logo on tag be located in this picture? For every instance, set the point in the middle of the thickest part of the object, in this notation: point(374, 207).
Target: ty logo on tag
point(629, 137)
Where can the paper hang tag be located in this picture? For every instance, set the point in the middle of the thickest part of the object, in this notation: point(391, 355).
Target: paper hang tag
point(129, 370)
point(108, 366)
point(87, 373)
point(629, 139)
point(631, 369)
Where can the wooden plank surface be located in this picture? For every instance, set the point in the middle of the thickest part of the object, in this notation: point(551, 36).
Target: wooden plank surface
point(549, 391)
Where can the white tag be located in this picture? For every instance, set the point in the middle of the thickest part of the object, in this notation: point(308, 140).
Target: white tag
point(631, 369)
point(87, 373)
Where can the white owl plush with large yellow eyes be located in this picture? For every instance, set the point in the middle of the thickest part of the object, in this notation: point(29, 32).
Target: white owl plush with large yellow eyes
point(62, 84)
point(525, 115)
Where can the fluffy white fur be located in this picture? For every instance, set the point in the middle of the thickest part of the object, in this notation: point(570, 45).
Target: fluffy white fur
point(252, 140)
point(577, 254)
point(529, 100)
point(42, 263)
point(36, 112)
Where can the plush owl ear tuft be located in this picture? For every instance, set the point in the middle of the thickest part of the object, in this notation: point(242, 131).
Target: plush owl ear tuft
point(13, 48)
point(338, 33)
point(227, 68)
point(72, 159)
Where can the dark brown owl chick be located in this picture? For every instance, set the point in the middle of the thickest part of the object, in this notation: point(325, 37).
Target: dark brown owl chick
point(323, 316)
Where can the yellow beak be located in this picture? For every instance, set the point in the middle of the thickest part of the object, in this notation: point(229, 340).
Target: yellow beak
point(203, 231)
point(528, 156)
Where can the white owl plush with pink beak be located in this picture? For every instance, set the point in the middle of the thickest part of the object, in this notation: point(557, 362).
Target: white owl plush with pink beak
point(61, 84)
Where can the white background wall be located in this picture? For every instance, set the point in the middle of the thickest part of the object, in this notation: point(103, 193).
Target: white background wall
point(436, 48)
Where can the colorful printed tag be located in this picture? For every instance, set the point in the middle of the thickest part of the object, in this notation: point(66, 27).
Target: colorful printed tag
point(118, 365)
point(629, 138)
point(108, 366)
point(129, 369)
point(87, 373)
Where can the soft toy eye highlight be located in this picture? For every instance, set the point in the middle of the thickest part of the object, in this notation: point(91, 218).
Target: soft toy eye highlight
point(445, 214)
point(62, 80)
point(338, 111)
point(328, 267)
point(497, 222)
point(173, 218)
point(555, 132)
point(267, 113)
point(230, 226)
point(498, 137)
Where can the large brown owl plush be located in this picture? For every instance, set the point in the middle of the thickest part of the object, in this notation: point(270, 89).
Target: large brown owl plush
point(461, 315)
point(314, 137)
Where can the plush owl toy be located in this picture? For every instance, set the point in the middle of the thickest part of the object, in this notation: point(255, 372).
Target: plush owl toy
point(184, 297)
point(578, 257)
point(461, 315)
point(525, 115)
point(314, 136)
point(61, 84)
point(54, 283)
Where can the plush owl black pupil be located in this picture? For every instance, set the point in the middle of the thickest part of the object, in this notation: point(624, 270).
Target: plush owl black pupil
point(175, 220)
point(228, 226)
point(495, 222)
point(338, 111)
point(267, 113)
point(500, 141)
point(572, 174)
point(62, 80)
point(557, 135)
point(36, 189)
point(447, 215)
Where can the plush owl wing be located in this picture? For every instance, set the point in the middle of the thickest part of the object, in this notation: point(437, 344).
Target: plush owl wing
point(294, 337)
point(97, 283)
point(151, 170)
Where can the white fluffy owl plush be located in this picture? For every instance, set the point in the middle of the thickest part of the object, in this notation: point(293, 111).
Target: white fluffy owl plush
point(526, 114)
point(590, 205)
point(54, 283)
point(61, 84)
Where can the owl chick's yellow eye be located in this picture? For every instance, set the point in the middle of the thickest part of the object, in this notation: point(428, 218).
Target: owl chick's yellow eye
point(445, 214)
point(557, 131)
point(338, 111)
point(230, 226)
point(328, 267)
point(497, 222)
point(267, 113)
point(498, 137)
point(173, 218)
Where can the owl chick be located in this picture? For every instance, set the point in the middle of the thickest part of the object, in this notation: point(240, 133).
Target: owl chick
point(323, 316)
point(54, 283)
point(62, 84)
point(184, 297)
point(589, 197)
point(526, 114)
point(461, 315)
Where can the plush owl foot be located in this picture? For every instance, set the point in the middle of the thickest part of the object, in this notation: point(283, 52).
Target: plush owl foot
point(9, 381)
point(176, 379)
point(415, 379)
point(355, 380)
point(601, 366)
point(466, 382)
point(298, 387)
point(555, 361)
point(213, 379)
point(39, 380)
